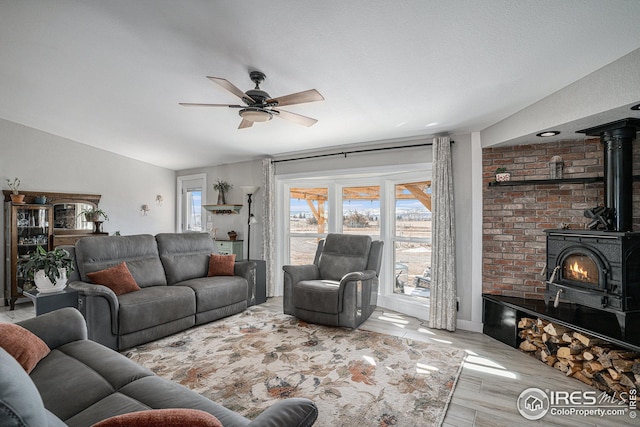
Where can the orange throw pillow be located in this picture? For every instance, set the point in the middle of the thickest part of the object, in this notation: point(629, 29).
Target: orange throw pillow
point(118, 279)
point(26, 347)
point(221, 265)
point(162, 417)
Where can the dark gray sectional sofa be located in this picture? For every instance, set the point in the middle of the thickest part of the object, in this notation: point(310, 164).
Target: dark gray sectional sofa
point(81, 382)
point(176, 294)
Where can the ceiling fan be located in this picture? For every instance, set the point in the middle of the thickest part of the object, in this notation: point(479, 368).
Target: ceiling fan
point(259, 106)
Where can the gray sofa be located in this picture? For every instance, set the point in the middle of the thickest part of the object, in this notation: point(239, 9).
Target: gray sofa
point(176, 294)
point(81, 382)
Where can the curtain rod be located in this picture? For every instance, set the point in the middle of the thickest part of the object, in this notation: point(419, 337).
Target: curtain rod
point(345, 153)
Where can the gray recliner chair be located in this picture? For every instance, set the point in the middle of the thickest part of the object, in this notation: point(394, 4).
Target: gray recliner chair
point(341, 287)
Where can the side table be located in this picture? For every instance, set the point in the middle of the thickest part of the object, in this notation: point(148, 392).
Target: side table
point(46, 302)
point(261, 280)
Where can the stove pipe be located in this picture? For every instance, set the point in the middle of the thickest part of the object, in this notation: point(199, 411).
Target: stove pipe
point(617, 138)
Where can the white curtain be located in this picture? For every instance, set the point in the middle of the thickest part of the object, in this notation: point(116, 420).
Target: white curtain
point(268, 232)
point(442, 313)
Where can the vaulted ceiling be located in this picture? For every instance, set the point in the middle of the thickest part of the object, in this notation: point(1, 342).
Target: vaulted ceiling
point(111, 73)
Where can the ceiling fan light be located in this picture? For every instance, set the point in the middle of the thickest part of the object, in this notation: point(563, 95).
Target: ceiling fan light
point(255, 115)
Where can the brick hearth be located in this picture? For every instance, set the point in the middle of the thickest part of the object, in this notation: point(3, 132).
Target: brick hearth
point(515, 217)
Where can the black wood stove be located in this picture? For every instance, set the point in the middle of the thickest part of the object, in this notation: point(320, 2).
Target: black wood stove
point(600, 267)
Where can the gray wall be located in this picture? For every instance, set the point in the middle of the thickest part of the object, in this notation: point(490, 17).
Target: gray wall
point(45, 162)
point(237, 174)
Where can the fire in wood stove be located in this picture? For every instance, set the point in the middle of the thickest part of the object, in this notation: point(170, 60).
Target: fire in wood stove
point(580, 268)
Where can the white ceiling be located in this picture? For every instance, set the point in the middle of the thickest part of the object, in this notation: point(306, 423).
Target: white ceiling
point(111, 73)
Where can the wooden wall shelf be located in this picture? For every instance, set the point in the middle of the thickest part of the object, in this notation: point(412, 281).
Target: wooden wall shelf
point(223, 209)
point(583, 180)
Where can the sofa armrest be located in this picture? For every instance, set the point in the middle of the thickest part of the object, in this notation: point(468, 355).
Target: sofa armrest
point(58, 327)
point(90, 290)
point(292, 412)
point(244, 269)
point(357, 275)
point(292, 275)
point(298, 273)
point(356, 297)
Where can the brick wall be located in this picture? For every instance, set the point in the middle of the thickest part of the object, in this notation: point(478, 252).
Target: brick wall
point(515, 217)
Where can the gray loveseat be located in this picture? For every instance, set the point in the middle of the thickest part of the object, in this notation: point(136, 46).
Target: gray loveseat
point(81, 382)
point(176, 294)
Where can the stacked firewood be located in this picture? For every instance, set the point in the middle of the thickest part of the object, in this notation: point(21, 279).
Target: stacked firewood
point(591, 360)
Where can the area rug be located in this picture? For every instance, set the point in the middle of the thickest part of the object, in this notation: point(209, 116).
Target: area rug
point(356, 378)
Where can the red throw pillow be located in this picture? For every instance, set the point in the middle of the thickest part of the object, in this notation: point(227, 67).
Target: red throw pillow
point(221, 265)
point(26, 347)
point(118, 279)
point(162, 417)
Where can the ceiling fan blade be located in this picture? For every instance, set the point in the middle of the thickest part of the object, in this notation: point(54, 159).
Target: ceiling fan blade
point(230, 87)
point(245, 124)
point(310, 95)
point(191, 104)
point(296, 118)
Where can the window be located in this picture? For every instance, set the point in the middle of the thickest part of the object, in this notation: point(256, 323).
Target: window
point(191, 191)
point(308, 222)
point(412, 239)
point(361, 210)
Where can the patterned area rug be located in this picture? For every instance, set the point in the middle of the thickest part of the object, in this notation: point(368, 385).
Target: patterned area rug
point(356, 378)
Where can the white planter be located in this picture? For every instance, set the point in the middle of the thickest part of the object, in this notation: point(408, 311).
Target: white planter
point(501, 177)
point(44, 285)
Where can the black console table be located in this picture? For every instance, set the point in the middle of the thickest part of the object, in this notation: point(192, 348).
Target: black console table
point(501, 314)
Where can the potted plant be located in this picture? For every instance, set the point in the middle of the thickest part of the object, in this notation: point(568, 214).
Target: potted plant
point(16, 197)
point(94, 214)
point(222, 187)
point(502, 175)
point(48, 269)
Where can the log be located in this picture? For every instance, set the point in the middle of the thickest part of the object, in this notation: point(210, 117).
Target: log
point(587, 355)
point(605, 361)
point(527, 346)
point(568, 352)
point(622, 365)
point(615, 375)
point(566, 337)
point(636, 367)
point(526, 323)
point(627, 380)
point(583, 378)
point(587, 340)
point(594, 366)
point(622, 354)
point(556, 330)
point(576, 346)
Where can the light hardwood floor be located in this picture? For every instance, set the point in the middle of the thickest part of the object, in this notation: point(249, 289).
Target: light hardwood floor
point(492, 377)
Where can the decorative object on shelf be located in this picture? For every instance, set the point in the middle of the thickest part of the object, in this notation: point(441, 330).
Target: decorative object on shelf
point(40, 200)
point(556, 166)
point(223, 188)
point(94, 214)
point(502, 175)
point(232, 235)
point(145, 209)
point(159, 199)
point(250, 190)
point(223, 209)
point(16, 197)
point(601, 218)
point(48, 269)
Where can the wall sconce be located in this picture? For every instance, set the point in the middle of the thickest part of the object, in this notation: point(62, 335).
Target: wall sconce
point(145, 209)
point(159, 199)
